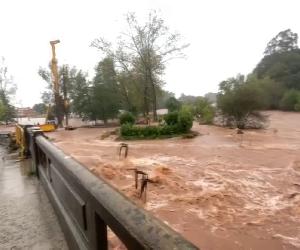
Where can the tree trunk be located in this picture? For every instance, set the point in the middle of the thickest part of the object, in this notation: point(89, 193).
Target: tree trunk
point(146, 103)
point(58, 110)
point(154, 104)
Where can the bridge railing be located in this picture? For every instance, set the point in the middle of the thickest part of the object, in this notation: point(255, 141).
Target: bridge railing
point(20, 140)
point(87, 205)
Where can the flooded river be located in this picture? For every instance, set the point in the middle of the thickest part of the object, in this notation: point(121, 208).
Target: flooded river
point(27, 220)
point(221, 190)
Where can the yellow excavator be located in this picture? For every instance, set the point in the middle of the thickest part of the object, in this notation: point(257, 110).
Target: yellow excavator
point(50, 125)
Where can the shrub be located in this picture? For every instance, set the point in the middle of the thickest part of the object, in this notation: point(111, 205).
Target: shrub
point(171, 118)
point(185, 120)
point(127, 117)
point(297, 106)
point(290, 100)
point(204, 110)
point(208, 114)
point(173, 104)
point(128, 131)
point(238, 100)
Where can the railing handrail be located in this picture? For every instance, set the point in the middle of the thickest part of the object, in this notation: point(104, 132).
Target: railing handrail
point(128, 221)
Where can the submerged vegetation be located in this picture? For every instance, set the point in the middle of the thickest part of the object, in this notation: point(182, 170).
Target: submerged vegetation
point(174, 124)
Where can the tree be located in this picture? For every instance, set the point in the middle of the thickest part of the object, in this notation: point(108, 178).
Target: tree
point(66, 76)
point(283, 68)
point(145, 48)
point(284, 41)
point(238, 100)
point(187, 99)
point(106, 98)
point(173, 104)
point(80, 95)
point(40, 108)
point(7, 91)
point(290, 100)
point(203, 110)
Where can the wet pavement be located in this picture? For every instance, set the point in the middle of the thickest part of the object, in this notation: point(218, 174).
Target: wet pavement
point(27, 220)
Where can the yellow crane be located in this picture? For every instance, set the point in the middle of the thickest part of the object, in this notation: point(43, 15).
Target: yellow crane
point(50, 126)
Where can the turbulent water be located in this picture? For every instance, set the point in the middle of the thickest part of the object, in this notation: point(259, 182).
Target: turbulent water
point(221, 190)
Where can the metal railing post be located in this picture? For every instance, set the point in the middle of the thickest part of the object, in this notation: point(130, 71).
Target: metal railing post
point(32, 133)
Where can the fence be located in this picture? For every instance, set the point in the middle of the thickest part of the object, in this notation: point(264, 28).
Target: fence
point(86, 205)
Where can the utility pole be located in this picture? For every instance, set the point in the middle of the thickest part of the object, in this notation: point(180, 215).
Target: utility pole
point(55, 80)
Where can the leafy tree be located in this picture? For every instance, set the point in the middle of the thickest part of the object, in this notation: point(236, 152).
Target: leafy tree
point(145, 48)
point(171, 118)
point(8, 111)
point(80, 95)
point(284, 41)
point(185, 119)
point(204, 110)
point(105, 91)
point(290, 100)
point(127, 118)
point(173, 104)
point(238, 100)
point(66, 77)
point(7, 91)
point(283, 68)
point(40, 108)
point(162, 97)
point(272, 92)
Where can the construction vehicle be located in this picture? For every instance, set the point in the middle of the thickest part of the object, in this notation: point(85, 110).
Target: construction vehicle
point(50, 124)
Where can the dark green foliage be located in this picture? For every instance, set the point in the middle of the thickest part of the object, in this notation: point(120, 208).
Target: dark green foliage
point(127, 118)
point(297, 106)
point(148, 132)
point(7, 90)
point(204, 110)
point(40, 108)
point(208, 114)
point(178, 123)
point(272, 92)
point(144, 49)
point(279, 71)
point(284, 41)
point(7, 112)
point(185, 120)
point(105, 98)
point(239, 99)
point(290, 100)
point(171, 118)
point(283, 68)
point(80, 96)
point(173, 104)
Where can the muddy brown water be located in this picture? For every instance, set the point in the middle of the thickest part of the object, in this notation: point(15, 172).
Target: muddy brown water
point(220, 190)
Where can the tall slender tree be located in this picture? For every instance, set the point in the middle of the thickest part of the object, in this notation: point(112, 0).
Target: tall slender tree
point(7, 91)
point(145, 48)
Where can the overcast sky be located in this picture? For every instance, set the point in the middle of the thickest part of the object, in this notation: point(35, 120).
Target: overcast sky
point(226, 37)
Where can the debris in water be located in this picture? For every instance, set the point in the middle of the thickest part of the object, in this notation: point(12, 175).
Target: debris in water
point(125, 146)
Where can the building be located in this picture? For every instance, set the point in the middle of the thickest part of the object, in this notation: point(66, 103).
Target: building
point(25, 112)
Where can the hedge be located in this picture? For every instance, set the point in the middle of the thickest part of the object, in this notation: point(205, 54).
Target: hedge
point(149, 131)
